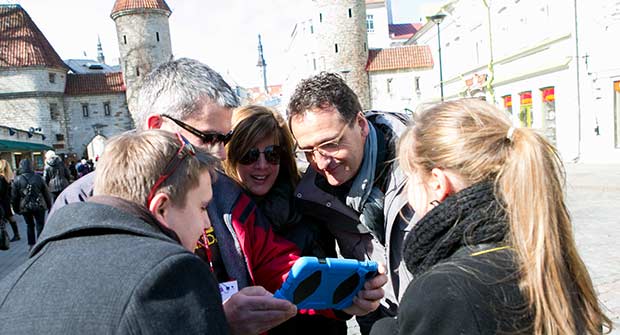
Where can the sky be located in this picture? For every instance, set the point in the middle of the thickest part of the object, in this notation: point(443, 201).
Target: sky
point(222, 34)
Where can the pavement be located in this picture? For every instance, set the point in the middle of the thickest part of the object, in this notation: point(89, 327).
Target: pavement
point(593, 198)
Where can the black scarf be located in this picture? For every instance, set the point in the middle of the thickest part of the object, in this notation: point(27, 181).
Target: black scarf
point(469, 217)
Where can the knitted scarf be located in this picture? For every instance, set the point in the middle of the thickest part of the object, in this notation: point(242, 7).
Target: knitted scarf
point(469, 217)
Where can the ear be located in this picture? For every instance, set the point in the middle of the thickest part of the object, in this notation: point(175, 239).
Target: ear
point(440, 184)
point(154, 121)
point(363, 123)
point(160, 208)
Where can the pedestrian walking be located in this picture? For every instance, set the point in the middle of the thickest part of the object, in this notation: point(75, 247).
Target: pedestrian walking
point(31, 198)
point(6, 178)
point(55, 174)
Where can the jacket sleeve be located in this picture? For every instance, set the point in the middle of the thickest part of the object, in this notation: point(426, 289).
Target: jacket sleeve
point(436, 304)
point(179, 296)
point(16, 195)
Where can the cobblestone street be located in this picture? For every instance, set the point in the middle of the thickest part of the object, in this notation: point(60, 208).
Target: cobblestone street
point(593, 196)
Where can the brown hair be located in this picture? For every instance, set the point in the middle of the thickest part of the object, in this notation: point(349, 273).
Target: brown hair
point(132, 162)
point(470, 137)
point(252, 124)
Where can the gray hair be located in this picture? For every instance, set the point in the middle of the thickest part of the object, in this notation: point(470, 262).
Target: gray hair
point(180, 88)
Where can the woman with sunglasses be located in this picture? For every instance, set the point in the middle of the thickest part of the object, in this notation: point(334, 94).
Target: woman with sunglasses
point(261, 158)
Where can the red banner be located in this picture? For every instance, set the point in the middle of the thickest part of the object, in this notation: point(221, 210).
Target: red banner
point(507, 101)
point(548, 94)
point(526, 98)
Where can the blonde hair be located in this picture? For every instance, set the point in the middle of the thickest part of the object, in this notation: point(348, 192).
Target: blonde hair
point(253, 123)
point(469, 137)
point(5, 170)
point(132, 163)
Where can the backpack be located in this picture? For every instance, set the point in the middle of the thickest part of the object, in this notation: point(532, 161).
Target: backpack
point(32, 200)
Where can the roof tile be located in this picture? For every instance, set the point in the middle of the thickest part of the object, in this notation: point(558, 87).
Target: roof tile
point(406, 57)
point(121, 5)
point(94, 83)
point(22, 44)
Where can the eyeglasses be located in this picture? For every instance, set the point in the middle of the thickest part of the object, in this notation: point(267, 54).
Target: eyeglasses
point(272, 155)
point(173, 164)
point(211, 138)
point(327, 149)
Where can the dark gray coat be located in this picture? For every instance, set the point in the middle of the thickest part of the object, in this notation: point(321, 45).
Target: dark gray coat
point(100, 270)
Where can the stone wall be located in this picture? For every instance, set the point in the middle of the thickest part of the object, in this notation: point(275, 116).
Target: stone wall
point(342, 42)
point(144, 43)
point(82, 129)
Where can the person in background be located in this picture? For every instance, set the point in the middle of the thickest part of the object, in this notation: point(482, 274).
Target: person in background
point(55, 174)
point(6, 177)
point(30, 198)
point(82, 168)
point(122, 262)
point(261, 158)
point(494, 250)
point(353, 185)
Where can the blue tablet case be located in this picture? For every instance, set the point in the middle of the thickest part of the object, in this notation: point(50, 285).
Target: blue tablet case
point(323, 283)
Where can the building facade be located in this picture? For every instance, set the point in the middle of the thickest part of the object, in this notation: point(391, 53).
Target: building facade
point(528, 58)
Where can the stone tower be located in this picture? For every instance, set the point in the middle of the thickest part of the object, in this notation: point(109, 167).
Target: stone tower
point(262, 65)
point(342, 42)
point(143, 40)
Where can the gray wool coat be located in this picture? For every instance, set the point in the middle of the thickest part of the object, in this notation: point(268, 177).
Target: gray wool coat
point(98, 269)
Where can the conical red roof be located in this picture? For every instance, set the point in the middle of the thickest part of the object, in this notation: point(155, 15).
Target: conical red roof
point(22, 43)
point(121, 5)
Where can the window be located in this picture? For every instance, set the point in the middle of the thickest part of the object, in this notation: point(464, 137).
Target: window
point(336, 47)
point(125, 39)
point(54, 111)
point(52, 77)
point(314, 63)
point(137, 71)
point(106, 109)
point(617, 113)
point(157, 35)
point(417, 86)
point(320, 17)
point(60, 137)
point(311, 28)
point(389, 85)
point(370, 23)
point(507, 103)
point(350, 13)
point(548, 111)
point(85, 110)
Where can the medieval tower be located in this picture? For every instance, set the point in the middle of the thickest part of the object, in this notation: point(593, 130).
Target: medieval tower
point(143, 40)
point(342, 42)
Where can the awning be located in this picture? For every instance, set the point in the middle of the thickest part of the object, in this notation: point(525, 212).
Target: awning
point(6, 145)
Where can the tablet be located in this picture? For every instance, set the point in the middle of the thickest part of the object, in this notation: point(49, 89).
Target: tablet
point(324, 283)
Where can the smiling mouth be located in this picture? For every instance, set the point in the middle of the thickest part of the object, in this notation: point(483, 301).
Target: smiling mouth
point(259, 178)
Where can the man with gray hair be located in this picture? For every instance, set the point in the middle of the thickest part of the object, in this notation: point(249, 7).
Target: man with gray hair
point(188, 97)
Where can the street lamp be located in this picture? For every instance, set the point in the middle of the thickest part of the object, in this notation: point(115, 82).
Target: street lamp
point(437, 18)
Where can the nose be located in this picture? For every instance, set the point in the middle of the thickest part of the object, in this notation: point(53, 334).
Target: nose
point(261, 162)
point(322, 162)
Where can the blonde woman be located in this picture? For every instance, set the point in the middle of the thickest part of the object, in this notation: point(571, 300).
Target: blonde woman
point(6, 177)
point(494, 250)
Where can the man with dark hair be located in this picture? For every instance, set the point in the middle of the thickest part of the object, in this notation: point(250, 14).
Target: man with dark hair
point(353, 184)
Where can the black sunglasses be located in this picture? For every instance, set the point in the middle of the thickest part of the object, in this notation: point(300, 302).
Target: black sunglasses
point(206, 137)
point(272, 155)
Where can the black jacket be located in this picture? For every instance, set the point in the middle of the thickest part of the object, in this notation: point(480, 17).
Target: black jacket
point(99, 269)
point(56, 174)
point(26, 177)
point(465, 276)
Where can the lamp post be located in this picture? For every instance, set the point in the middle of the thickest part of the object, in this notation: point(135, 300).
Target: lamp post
point(437, 18)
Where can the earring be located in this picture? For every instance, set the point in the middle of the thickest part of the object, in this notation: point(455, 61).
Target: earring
point(434, 203)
